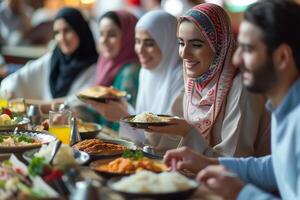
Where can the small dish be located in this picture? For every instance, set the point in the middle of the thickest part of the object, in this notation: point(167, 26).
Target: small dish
point(81, 157)
point(89, 130)
point(22, 125)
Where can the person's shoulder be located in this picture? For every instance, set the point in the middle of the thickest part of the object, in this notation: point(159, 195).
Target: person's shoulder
point(39, 63)
point(129, 68)
point(3, 9)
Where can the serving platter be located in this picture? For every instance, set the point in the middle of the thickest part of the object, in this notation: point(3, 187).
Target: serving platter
point(106, 154)
point(182, 195)
point(96, 166)
point(42, 137)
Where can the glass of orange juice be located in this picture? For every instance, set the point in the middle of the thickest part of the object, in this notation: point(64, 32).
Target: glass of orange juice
point(3, 103)
point(60, 125)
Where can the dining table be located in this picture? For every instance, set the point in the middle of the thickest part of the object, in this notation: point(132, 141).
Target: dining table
point(201, 193)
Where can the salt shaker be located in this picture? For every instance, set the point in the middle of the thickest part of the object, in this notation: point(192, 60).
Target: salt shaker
point(34, 115)
point(75, 136)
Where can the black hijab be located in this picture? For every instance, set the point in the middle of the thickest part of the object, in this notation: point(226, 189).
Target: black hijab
point(66, 68)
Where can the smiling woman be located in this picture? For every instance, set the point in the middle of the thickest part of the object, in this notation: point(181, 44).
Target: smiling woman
point(57, 75)
point(220, 116)
point(215, 103)
point(118, 65)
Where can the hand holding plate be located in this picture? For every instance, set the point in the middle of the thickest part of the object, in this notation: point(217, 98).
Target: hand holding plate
point(111, 110)
point(176, 126)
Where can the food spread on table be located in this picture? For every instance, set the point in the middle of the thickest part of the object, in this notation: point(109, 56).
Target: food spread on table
point(131, 162)
point(97, 146)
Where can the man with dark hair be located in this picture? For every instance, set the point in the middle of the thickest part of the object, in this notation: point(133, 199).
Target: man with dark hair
point(269, 58)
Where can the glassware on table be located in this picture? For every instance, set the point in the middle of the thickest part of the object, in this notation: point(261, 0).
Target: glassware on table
point(60, 125)
point(3, 103)
point(34, 114)
point(17, 106)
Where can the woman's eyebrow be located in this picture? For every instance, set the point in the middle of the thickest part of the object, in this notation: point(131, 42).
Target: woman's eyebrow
point(196, 40)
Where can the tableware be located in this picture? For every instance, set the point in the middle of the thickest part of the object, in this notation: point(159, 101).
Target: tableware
point(60, 125)
point(22, 125)
point(102, 94)
point(124, 143)
point(92, 190)
point(88, 130)
point(34, 114)
point(55, 149)
point(75, 137)
point(145, 125)
point(17, 105)
point(182, 195)
point(148, 149)
point(43, 137)
point(3, 103)
point(81, 157)
point(95, 164)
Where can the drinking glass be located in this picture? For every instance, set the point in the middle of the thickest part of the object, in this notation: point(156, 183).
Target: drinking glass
point(60, 125)
point(17, 106)
point(3, 103)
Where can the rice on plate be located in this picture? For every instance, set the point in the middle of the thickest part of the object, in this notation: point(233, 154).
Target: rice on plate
point(149, 182)
point(64, 156)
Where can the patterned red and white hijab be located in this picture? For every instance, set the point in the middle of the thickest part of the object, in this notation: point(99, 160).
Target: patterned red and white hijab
point(205, 95)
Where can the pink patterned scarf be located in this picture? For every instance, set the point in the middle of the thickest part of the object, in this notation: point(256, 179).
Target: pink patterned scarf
point(107, 69)
point(205, 95)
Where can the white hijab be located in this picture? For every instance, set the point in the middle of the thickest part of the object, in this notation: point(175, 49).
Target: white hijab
point(159, 87)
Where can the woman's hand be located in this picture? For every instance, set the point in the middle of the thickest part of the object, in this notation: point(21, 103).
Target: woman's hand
point(175, 126)
point(111, 110)
point(185, 158)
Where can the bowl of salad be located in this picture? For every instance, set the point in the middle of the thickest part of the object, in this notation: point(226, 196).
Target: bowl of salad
point(10, 120)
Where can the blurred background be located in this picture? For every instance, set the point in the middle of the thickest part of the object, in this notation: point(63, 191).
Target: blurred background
point(26, 25)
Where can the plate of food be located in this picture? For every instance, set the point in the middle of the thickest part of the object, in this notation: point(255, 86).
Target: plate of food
point(88, 130)
point(99, 148)
point(16, 183)
point(21, 141)
point(146, 119)
point(102, 94)
point(147, 184)
point(8, 121)
point(131, 162)
point(66, 155)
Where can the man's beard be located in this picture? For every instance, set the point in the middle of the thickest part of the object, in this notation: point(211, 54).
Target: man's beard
point(263, 78)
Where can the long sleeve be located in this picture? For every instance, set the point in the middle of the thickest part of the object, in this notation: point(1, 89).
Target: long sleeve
point(250, 192)
point(31, 81)
point(257, 171)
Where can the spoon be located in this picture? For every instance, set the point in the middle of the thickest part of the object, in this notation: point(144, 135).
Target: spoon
point(16, 131)
point(148, 149)
point(55, 149)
